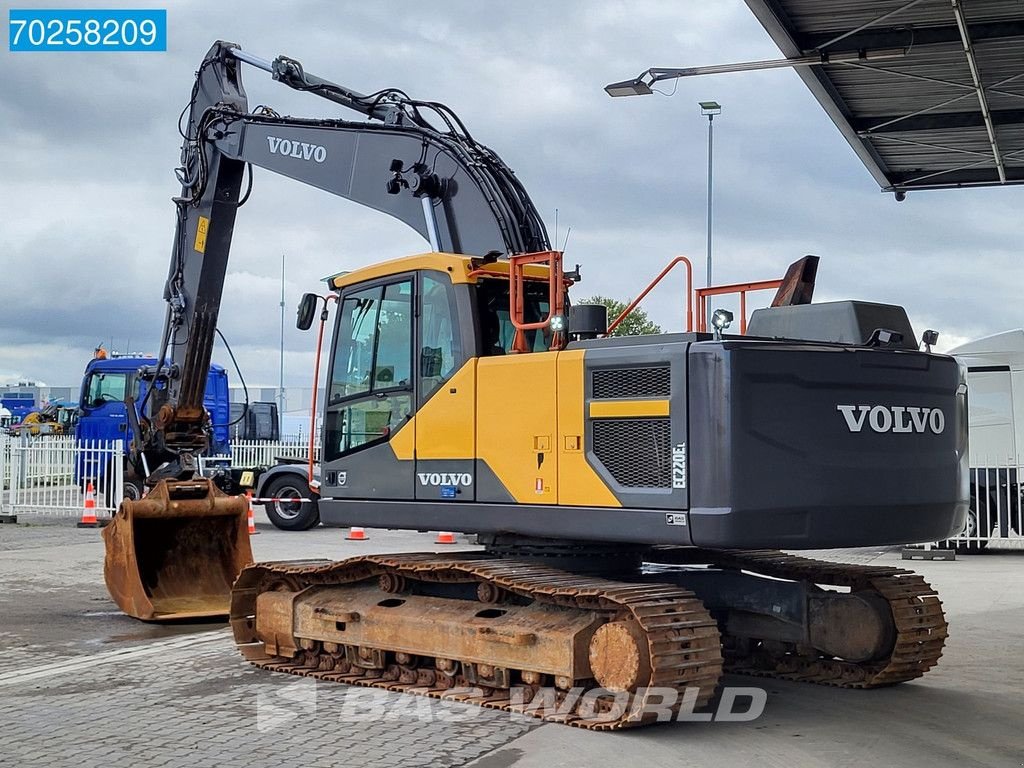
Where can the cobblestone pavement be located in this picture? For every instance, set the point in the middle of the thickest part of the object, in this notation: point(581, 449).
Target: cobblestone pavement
point(193, 702)
point(82, 685)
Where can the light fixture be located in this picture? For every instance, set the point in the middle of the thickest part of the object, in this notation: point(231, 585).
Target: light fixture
point(720, 320)
point(710, 108)
point(929, 338)
point(557, 323)
point(635, 87)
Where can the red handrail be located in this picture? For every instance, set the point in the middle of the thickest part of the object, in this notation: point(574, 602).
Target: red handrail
point(700, 318)
point(517, 296)
point(717, 290)
point(654, 282)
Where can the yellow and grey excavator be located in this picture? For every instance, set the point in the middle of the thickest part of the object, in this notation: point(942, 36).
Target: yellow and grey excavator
point(631, 493)
point(54, 418)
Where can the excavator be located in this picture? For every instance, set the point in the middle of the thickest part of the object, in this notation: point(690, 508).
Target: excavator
point(633, 494)
point(57, 417)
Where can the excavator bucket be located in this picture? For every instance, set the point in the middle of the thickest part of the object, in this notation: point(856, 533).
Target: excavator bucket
point(175, 553)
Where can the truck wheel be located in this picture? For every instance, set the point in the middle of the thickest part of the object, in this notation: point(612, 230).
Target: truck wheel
point(974, 545)
point(133, 487)
point(132, 490)
point(290, 515)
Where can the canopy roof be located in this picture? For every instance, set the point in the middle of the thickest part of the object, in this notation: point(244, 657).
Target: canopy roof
point(930, 93)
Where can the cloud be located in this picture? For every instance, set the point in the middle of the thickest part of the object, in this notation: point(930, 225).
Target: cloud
point(91, 142)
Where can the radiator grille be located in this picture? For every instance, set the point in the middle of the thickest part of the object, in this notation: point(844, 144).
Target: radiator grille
point(632, 382)
point(637, 452)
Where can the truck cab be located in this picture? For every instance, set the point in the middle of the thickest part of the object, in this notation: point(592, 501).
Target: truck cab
point(103, 418)
point(107, 382)
point(995, 377)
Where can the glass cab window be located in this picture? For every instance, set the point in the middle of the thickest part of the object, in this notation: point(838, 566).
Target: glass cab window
point(105, 388)
point(440, 351)
point(370, 390)
point(496, 329)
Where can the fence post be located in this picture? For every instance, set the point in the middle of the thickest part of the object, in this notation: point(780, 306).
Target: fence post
point(6, 513)
point(117, 452)
point(17, 462)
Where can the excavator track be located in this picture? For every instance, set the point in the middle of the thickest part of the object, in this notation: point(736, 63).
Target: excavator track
point(678, 640)
point(683, 645)
point(920, 624)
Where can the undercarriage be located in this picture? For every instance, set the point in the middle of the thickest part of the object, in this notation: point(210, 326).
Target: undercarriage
point(594, 647)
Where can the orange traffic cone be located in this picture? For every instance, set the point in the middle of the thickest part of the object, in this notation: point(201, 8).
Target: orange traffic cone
point(356, 534)
point(445, 537)
point(89, 511)
point(250, 518)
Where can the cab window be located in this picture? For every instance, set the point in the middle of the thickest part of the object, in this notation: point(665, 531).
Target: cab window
point(105, 388)
point(496, 329)
point(440, 351)
point(370, 392)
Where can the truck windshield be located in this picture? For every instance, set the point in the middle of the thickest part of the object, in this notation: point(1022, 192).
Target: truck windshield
point(105, 388)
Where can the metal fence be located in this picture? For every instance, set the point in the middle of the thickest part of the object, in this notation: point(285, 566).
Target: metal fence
point(51, 475)
point(995, 516)
point(261, 453)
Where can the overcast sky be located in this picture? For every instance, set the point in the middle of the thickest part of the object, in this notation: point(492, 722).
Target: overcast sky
point(90, 144)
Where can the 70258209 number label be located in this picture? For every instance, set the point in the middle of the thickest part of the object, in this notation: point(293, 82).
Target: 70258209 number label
point(77, 29)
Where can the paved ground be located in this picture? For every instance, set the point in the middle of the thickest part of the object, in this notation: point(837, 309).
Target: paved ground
point(81, 685)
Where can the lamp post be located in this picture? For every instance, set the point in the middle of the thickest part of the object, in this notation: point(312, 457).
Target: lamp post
point(710, 109)
point(280, 380)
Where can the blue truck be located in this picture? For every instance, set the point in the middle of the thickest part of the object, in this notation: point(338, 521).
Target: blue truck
point(103, 416)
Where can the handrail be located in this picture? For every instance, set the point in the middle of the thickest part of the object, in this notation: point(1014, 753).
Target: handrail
point(654, 282)
point(517, 297)
point(717, 290)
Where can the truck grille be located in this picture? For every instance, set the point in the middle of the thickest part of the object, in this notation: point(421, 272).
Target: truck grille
point(637, 452)
point(654, 381)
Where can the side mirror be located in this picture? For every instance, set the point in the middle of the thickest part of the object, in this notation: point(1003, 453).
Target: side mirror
point(307, 311)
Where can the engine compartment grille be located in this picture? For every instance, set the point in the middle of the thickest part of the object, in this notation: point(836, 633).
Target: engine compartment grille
point(637, 452)
point(651, 381)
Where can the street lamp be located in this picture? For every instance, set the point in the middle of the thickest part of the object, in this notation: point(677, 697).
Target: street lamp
point(710, 109)
point(635, 87)
point(641, 86)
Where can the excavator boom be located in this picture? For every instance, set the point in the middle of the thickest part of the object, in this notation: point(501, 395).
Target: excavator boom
point(454, 191)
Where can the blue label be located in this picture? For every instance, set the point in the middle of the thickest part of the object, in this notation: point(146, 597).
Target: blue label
point(448, 491)
point(76, 29)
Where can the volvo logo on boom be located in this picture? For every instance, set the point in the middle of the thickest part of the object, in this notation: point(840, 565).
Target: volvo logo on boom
point(895, 418)
point(300, 150)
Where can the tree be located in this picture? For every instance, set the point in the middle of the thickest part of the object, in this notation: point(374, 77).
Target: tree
point(636, 323)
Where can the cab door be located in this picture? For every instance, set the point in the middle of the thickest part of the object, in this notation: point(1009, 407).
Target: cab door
point(446, 395)
point(371, 393)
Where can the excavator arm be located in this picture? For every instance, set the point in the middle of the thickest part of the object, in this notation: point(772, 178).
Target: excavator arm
point(176, 552)
point(455, 192)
